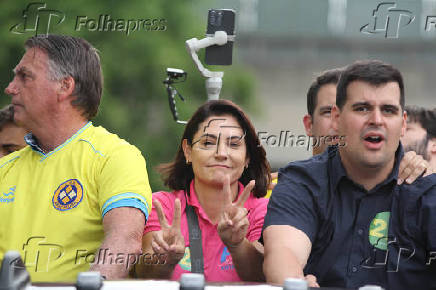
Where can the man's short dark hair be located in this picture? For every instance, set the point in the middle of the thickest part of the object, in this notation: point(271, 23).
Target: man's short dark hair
point(416, 114)
point(75, 57)
point(325, 78)
point(6, 116)
point(374, 72)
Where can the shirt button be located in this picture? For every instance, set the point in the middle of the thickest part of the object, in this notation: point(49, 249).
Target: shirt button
point(360, 232)
point(354, 269)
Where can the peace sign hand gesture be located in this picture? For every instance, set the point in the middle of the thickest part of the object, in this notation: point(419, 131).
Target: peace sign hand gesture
point(169, 240)
point(233, 223)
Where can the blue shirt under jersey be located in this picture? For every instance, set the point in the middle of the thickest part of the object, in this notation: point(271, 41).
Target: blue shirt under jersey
point(385, 236)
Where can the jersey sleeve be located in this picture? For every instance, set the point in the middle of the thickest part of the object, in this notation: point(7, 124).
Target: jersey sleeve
point(292, 204)
point(123, 181)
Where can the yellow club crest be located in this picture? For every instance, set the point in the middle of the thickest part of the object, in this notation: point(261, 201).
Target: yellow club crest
point(68, 195)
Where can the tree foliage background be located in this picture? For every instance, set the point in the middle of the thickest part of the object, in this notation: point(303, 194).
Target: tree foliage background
point(134, 103)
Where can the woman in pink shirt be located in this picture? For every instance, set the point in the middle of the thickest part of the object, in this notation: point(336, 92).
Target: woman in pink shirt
point(220, 173)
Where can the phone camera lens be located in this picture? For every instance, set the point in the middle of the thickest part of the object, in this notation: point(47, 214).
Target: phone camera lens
point(215, 18)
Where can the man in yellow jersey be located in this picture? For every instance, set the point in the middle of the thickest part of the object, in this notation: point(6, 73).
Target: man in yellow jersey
point(11, 135)
point(78, 197)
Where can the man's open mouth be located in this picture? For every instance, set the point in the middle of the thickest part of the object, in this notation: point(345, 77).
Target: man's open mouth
point(374, 139)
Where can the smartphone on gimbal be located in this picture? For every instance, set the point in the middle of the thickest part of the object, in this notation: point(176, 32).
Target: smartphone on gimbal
point(220, 20)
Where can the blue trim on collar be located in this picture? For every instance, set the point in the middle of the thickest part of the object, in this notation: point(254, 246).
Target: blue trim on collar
point(92, 146)
point(33, 142)
point(9, 161)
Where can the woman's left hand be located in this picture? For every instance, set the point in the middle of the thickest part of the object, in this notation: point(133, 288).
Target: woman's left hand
point(233, 223)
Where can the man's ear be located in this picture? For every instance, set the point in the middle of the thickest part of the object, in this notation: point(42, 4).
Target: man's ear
point(307, 121)
point(432, 145)
point(187, 149)
point(335, 113)
point(404, 126)
point(67, 86)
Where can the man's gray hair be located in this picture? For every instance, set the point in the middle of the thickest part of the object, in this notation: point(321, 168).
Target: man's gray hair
point(75, 57)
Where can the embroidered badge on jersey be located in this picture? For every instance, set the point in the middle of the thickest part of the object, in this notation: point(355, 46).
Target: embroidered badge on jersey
point(378, 230)
point(185, 262)
point(68, 195)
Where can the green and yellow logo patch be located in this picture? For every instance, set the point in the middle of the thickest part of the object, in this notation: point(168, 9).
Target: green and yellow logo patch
point(185, 262)
point(378, 230)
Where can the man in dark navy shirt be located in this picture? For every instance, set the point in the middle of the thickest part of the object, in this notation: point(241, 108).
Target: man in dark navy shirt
point(341, 215)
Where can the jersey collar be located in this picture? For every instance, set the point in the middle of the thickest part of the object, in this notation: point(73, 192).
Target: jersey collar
point(31, 140)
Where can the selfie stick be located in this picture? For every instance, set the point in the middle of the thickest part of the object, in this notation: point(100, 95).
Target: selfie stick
point(214, 78)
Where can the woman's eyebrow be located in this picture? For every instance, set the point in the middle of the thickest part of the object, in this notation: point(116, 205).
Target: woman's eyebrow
point(208, 135)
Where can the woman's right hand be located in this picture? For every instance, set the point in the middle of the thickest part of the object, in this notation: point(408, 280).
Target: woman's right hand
point(169, 240)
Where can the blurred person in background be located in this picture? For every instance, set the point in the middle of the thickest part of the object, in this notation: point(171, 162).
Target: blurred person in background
point(11, 135)
point(415, 131)
point(321, 97)
point(430, 144)
point(420, 132)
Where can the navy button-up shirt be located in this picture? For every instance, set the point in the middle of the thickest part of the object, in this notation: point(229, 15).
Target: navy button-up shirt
point(384, 236)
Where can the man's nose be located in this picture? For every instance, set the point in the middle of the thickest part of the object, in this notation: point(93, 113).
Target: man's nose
point(11, 89)
point(376, 117)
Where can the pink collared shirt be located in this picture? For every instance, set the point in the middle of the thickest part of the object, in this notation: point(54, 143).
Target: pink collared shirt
point(218, 264)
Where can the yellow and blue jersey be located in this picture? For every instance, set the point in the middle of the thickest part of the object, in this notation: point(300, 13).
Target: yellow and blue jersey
point(269, 191)
point(52, 205)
